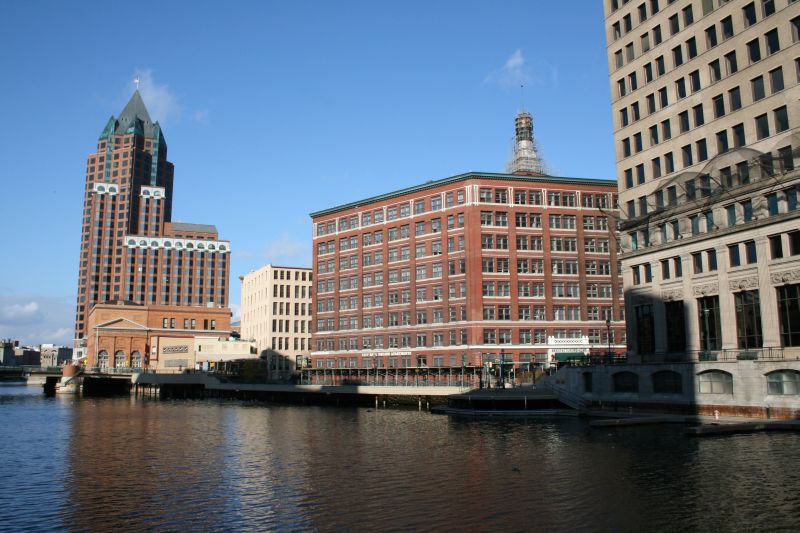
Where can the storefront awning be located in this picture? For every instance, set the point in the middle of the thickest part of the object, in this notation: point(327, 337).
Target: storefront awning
point(569, 356)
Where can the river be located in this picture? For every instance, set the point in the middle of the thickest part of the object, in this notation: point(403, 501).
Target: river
point(124, 464)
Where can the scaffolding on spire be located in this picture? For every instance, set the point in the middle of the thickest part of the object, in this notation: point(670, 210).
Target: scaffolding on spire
point(525, 155)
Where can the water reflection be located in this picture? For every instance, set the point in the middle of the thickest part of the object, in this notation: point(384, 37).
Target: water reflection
point(96, 465)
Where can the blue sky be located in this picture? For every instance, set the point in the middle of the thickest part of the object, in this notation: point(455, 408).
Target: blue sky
point(272, 110)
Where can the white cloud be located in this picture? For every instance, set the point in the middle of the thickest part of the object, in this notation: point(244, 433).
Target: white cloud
point(201, 115)
point(236, 311)
point(161, 102)
point(285, 248)
point(512, 74)
point(34, 318)
point(14, 314)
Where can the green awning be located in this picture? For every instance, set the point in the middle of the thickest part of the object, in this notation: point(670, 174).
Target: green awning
point(569, 356)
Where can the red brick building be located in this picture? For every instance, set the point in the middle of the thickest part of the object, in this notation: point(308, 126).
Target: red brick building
point(473, 269)
point(131, 251)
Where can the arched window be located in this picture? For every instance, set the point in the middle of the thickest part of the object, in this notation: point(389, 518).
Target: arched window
point(102, 360)
point(120, 361)
point(101, 188)
point(715, 382)
point(136, 360)
point(783, 382)
point(145, 193)
point(222, 247)
point(667, 382)
point(132, 242)
point(626, 382)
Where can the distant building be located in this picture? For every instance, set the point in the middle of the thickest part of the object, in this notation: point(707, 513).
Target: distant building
point(131, 250)
point(707, 129)
point(54, 355)
point(276, 314)
point(7, 347)
point(27, 356)
point(128, 335)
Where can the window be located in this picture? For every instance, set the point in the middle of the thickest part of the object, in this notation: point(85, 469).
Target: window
point(715, 382)
point(677, 56)
point(667, 381)
point(675, 326)
point(783, 382)
point(750, 252)
point(626, 382)
point(683, 121)
point(691, 48)
point(789, 314)
point(738, 135)
point(757, 85)
point(730, 63)
point(711, 37)
point(694, 78)
point(680, 88)
point(781, 119)
point(772, 42)
point(748, 319)
point(776, 80)
point(768, 7)
point(727, 27)
point(762, 126)
point(749, 14)
point(719, 106)
point(775, 246)
point(754, 51)
point(699, 118)
point(715, 70)
point(674, 25)
point(708, 315)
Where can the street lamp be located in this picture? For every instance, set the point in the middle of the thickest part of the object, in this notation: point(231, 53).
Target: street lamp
point(502, 369)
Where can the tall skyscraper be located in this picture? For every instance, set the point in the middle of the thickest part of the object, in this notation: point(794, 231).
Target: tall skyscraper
point(705, 108)
point(131, 251)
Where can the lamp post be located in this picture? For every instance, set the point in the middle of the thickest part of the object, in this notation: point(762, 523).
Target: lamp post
point(608, 337)
point(502, 369)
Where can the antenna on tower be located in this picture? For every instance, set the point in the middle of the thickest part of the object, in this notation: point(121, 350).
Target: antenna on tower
point(136, 81)
point(522, 97)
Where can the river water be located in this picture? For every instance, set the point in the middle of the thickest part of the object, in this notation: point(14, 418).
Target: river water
point(123, 464)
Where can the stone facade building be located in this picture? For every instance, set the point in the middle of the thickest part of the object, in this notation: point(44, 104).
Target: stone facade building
point(705, 107)
point(276, 315)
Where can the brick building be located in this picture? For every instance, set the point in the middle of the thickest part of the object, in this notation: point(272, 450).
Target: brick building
point(131, 251)
point(457, 273)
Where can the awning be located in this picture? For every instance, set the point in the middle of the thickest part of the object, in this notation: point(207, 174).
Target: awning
point(569, 356)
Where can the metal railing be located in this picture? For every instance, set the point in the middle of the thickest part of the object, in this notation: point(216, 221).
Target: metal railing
point(728, 355)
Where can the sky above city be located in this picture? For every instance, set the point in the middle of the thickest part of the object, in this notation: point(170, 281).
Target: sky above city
point(273, 110)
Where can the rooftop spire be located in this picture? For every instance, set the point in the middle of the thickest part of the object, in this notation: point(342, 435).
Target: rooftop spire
point(525, 158)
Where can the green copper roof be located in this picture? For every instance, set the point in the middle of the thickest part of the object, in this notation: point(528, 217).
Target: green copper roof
point(133, 119)
point(463, 177)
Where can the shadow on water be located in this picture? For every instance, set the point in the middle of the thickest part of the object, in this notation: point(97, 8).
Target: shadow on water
point(133, 464)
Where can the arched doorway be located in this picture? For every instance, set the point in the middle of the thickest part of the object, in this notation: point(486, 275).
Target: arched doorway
point(102, 360)
point(120, 361)
point(136, 360)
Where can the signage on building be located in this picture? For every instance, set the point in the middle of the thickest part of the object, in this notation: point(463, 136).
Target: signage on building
point(383, 354)
point(179, 348)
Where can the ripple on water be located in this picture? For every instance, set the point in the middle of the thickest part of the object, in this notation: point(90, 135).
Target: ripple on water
point(124, 464)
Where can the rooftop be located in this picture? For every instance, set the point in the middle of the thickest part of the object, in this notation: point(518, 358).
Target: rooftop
point(468, 176)
point(193, 228)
